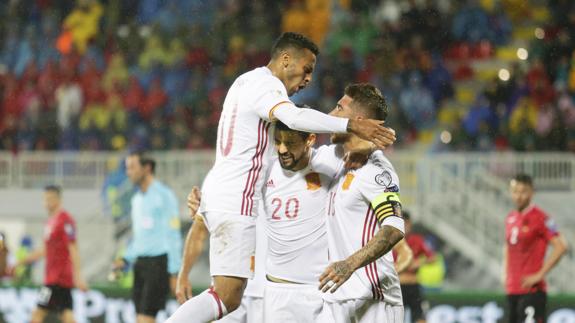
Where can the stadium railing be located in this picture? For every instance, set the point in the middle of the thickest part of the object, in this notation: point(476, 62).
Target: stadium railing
point(462, 197)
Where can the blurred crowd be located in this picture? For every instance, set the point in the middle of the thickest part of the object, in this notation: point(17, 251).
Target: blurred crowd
point(150, 74)
point(533, 109)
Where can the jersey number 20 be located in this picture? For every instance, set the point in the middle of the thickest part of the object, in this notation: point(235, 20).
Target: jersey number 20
point(291, 208)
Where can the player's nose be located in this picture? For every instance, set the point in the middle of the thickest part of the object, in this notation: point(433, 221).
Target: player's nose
point(282, 149)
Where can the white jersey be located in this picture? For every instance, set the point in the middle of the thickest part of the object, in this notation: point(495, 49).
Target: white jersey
point(351, 223)
point(233, 185)
point(295, 205)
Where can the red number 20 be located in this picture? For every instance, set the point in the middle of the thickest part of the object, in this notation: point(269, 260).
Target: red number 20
point(291, 208)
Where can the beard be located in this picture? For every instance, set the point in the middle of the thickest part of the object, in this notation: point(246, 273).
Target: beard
point(291, 161)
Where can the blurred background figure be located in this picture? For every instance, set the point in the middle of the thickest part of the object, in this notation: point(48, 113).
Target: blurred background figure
point(62, 261)
point(529, 231)
point(413, 298)
point(156, 248)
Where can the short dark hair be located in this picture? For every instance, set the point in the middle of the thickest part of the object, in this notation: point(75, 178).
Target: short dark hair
point(280, 126)
point(293, 40)
point(405, 214)
point(523, 178)
point(370, 98)
point(145, 160)
point(54, 189)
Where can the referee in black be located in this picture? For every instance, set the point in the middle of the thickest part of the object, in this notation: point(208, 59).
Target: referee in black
point(156, 247)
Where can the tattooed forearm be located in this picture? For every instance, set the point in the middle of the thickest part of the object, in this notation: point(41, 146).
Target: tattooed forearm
point(378, 246)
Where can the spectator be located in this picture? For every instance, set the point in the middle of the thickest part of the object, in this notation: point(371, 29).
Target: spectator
point(117, 74)
point(83, 23)
point(153, 54)
point(69, 103)
point(417, 103)
point(155, 99)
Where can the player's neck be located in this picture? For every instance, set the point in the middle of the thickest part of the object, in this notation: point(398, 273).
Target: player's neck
point(275, 69)
point(357, 146)
point(146, 182)
point(54, 211)
point(522, 209)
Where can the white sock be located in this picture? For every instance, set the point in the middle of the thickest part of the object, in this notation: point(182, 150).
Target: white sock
point(203, 308)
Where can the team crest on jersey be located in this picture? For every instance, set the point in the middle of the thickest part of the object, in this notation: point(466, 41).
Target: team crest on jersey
point(270, 183)
point(313, 181)
point(383, 179)
point(347, 182)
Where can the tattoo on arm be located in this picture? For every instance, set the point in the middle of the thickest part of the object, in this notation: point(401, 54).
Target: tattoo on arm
point(378, 246)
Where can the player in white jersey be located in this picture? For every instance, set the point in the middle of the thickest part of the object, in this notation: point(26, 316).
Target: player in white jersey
point(364, 223)
point(295, 196)
point(251, 308)
point(231, 190)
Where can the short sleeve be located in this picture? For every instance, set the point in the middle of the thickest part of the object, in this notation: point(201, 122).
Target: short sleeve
point(269, 96)
point(69, 227)
point(426, 249)
point(379, 185)
point(549, 228)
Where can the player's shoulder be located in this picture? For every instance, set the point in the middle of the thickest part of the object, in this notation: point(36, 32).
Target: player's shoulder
point(327, 159)
point(261, 78)
point(65, 217)
point(538, 211)
point(164, 189)
point(328, 151)
point(379, 172)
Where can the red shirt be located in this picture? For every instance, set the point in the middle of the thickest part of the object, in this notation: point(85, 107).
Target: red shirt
point(418, 246)
point(59, 232)
point(527, 234)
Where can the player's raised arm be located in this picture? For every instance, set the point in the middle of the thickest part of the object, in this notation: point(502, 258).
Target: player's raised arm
point(291, 66)
point(310, 120)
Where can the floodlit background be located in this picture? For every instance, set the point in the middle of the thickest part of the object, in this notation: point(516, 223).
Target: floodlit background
point(478, 90)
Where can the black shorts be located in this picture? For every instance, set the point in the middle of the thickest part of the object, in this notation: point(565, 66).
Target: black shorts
point(527, 307)
point(151, 284)
point(412, 299)
point(55, 298)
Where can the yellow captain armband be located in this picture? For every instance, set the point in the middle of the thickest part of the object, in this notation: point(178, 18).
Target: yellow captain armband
point(385, 205)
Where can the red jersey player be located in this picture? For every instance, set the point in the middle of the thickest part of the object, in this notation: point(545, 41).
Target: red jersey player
point(410, 288)
point(62, 261)
point(528, 232)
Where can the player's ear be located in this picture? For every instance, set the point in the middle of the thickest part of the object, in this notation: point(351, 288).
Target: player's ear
point(310, 140)
point(285, 59)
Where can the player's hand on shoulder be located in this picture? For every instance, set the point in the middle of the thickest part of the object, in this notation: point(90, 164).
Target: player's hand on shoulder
point(372, 130)
point(183, 289)
point(193, 200)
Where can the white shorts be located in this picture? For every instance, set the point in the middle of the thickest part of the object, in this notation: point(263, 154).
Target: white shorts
point(361, 311)
point(232, 244)
point(291, 302)
point(251, 310)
